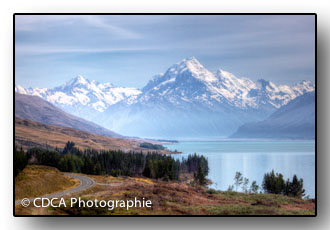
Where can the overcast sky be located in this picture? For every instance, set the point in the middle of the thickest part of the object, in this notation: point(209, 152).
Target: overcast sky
point(129, 50)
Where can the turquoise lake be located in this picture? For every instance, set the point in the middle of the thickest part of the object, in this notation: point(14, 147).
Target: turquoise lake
point(253, 160)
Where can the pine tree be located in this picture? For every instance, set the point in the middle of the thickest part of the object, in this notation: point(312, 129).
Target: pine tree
point(273, 183)
point(200, 176)
point(294, 188)
point(20, 161)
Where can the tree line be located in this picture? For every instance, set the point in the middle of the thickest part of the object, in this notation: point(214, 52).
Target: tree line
point(20, 160)
point(151, 146)
point(272, 183)
point(113, 162)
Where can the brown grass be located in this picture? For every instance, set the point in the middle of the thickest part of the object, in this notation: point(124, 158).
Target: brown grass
point(30, 133)
point(37, 180)
point(173, 198)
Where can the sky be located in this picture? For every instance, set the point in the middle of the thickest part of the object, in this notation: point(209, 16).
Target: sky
point(127, 50)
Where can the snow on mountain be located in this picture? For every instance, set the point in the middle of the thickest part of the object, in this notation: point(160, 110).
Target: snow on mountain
point(82, 97)
point(186, 99)
point(266, 93)
point(183, 82)
point(189, 101)
point(189, 81)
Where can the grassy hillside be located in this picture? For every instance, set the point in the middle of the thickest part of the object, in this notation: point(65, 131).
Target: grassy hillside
point(173, 198)
point(37, 180)
point(31, 134)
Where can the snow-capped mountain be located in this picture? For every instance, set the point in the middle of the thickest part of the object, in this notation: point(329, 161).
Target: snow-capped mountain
point(189, 81)
point(244, 93)
point(187, 100)
point(82, 97)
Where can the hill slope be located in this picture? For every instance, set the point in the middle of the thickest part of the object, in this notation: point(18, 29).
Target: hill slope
point(36, 109)
point(296, 120)
point(27, 183)
point(33, 134)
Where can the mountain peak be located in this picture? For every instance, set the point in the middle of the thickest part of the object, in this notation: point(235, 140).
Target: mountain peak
point(193, 66)
point(76, 81)
point(81, 79)
point(190, 62)
point(191, 59)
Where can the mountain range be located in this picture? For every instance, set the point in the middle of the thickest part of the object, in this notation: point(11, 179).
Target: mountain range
point(184, 102)
point(295, 120)
point(82, 97)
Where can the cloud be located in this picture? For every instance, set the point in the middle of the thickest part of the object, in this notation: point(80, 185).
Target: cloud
point(36, 22)
point(33, 49)
point(274, 47)
point(98, 22)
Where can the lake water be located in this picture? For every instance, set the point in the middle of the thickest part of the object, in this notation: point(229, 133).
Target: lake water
point(253, 160)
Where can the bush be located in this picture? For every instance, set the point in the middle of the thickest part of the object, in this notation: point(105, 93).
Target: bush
point(212, 191)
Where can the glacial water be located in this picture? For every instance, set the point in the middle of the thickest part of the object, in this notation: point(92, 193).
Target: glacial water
point(253, 160)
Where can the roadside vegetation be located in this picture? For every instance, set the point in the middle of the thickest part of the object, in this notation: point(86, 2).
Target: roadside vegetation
point(36, 180)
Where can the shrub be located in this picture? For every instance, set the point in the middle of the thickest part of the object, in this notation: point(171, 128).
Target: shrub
point(212, 191)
